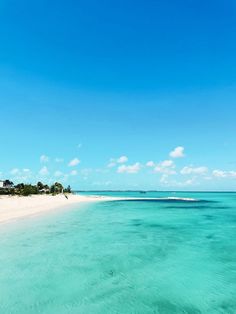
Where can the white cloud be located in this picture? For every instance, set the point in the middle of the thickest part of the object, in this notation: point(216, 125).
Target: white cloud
point(44, 171)
point(113, 162)
point(166, 167)
point(21, 174)
point(219, 173)
point(74, 162)
point(191, 170)
point(168, 171)
point(86, 171)
point(174, 183)
point(73, 173)
point(164, 179)
point(167, 163)
point(44, 158)
point(122, 159)
point(224, 174)
point(178, 152)
point(99, 183)
point(187, 183)
point(58, 173)
point(129, 169)
point(26, 170)
point(59, 159)
point(14, 171)
point(150, 164)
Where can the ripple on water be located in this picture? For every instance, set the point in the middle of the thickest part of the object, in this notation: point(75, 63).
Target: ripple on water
point(142, 257)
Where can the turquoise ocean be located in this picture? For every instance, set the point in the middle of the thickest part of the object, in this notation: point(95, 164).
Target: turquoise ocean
point(141, 256)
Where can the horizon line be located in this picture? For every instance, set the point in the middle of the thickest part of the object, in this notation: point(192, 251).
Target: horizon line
point(187, 191)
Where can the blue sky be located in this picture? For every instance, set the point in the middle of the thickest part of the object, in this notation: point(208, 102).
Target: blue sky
point(100, 94)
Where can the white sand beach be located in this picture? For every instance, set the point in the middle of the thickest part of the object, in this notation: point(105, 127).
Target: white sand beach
point(14, 207)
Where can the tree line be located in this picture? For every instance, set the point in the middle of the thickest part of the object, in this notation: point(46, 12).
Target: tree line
point(28, 189)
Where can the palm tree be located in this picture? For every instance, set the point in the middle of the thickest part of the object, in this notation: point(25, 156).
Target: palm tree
point(8, 183)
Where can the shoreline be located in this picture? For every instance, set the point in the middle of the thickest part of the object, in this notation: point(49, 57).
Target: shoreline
point(15, 207)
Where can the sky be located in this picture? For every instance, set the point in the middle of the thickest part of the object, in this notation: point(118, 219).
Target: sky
point(119, 94)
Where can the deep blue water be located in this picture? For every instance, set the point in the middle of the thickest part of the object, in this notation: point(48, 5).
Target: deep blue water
point(166, 256)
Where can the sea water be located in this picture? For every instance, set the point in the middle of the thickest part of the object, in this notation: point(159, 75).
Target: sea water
point(164, 256)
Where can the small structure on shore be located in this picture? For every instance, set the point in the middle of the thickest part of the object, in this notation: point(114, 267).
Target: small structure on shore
point(6, 184)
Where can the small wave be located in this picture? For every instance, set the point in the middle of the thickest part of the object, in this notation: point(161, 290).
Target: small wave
point(188, 199)
point(159, 199)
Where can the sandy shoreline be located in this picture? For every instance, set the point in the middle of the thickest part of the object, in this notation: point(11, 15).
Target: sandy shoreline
point(14, 207)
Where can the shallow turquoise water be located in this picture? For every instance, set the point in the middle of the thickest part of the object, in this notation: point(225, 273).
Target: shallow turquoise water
point(123, 257)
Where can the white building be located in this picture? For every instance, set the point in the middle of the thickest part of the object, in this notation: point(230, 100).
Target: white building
point(6, 184)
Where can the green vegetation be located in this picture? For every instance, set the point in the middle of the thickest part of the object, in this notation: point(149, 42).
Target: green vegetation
point(9, 188)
